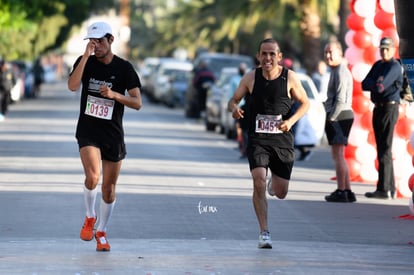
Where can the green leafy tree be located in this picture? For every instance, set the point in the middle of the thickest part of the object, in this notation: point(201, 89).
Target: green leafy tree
point(30, 28)
point(300, 26)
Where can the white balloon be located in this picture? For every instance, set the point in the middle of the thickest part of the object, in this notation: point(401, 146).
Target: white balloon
point(353, 55)
point(403, 170)
point(365, 8)
point(358, 136)
point(368, 172)
point(360, 71)
point(371, 28)
point(366, 153)
point(349, 38)
point(387, 5)
point(399, 148)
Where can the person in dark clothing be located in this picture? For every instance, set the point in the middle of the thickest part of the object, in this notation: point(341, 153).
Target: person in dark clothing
point(38, 73)
point(203, 78)
point(272, 88)
point(384, 81)
point(7, 81)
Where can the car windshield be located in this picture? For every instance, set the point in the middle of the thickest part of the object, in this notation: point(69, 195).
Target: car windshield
point(216, 64)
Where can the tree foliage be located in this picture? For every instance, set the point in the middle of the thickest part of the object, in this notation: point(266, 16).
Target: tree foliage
point(30, 28)
point(300, 26)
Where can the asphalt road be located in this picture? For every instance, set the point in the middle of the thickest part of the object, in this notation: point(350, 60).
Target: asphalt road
point(183, 204)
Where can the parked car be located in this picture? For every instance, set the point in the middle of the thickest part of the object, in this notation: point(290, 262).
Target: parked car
point(215, 96)
point(146, 70)
point(164, 75)
point(177, 88)
point(215, 62)
point(316, 113)
point(150, 74)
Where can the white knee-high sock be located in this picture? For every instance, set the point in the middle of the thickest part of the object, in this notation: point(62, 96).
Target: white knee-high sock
point(105, 214)
point(90, 199)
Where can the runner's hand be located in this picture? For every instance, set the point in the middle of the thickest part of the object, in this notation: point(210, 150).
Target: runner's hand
point(237, 113)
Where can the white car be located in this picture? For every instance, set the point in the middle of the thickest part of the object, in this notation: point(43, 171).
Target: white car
point(164, 75)
point(316, 113)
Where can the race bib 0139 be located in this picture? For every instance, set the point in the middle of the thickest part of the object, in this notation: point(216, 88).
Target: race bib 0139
point(99, 107)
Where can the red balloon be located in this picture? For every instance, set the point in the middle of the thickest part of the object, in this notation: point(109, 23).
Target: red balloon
point(371, 138)
point(370, 54)
point(366, 121)
point(404, 127)
point(410, 149)
point(411, 182)
point(355, 22)
point(383, 20)
point(362, 39)
point(351, 5)
point(349, 151)
point(357, 88)
point(360, 104)
point(354, 168)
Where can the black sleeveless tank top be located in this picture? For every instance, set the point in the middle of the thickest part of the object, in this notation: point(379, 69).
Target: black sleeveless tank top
point(270, 97)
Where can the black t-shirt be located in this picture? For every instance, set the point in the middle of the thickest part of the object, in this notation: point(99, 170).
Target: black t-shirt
point(101, 118)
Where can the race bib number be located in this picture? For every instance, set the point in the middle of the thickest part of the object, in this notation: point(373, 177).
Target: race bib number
point(99, 107)
point(268, 124)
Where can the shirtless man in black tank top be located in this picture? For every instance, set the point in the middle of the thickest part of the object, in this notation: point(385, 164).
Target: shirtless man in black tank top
point(273, 88)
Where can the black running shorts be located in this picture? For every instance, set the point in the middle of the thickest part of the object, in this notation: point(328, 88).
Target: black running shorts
point(279, 160)
point(112, 152)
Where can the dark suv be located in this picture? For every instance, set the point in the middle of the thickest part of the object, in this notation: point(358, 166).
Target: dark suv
point(215, 62)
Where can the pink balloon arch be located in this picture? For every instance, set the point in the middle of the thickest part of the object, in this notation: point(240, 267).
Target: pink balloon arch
point(369, 21)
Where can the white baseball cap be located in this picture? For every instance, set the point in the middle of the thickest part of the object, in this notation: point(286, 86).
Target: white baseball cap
point(98, 30)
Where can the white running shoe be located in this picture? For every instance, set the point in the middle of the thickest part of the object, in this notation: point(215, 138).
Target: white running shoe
point(269, 187)
point(264, 240)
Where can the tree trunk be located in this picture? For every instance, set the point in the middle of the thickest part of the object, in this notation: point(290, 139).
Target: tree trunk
point(343, 14)
point(310, 26)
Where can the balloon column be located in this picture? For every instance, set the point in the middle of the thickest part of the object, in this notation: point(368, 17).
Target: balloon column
point(369, 21)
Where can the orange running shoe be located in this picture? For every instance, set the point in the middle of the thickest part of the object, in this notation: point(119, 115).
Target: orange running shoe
point(101, 241)
point(86, 232)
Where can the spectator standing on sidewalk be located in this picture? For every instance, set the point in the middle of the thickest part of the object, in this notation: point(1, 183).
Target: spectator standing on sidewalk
point(339, 119)
point(203, 79)
point(39, 76)
point(384, 81)
point(105, 80)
